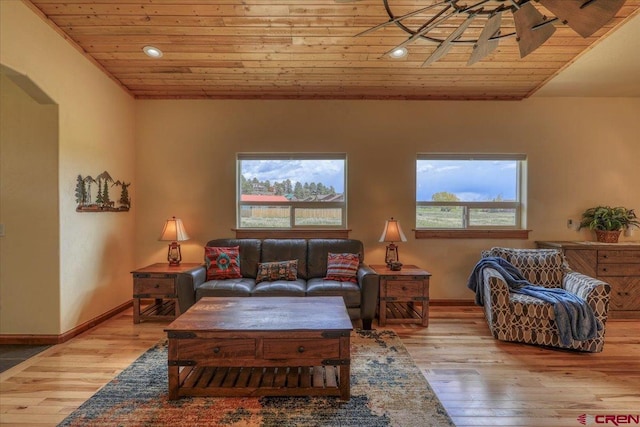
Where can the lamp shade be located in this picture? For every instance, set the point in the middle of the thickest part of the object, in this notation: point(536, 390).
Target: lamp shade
point(174, 231)
point(392, 232)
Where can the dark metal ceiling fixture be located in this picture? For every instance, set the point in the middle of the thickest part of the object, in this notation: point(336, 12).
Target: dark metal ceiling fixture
point(532, 28)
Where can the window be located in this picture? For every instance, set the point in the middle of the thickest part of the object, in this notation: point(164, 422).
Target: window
point(469, 192)
point(288, 191)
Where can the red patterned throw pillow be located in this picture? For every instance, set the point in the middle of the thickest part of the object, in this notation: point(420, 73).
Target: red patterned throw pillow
point(342, 267)
point(282, 270)
point(222, 262)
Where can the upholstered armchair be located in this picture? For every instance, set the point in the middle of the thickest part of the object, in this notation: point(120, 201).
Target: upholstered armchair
point(523, 318)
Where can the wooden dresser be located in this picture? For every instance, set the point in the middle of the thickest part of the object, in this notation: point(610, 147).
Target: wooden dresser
point(615, 263)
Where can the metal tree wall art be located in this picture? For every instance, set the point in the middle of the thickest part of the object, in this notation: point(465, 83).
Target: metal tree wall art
point(102, 202)
point(483, 23)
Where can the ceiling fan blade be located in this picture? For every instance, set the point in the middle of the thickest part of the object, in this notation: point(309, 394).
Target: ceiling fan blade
point(435, 21)
point(446, 45)
point(529, 38)
point(585, 17)
point(399, 18)
point(485, 44)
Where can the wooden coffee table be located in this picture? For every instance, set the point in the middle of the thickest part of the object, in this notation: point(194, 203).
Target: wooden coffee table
point(269, 346)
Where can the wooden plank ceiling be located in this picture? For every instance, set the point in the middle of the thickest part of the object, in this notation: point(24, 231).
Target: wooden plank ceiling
point(304, 49)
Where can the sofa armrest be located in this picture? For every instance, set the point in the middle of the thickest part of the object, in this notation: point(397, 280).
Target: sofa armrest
point(594, 291)
point(369, 288)
point(187, 283)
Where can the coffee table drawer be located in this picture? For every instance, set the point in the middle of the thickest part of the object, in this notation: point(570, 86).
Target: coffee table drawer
point(207, 350)
point(301, 348)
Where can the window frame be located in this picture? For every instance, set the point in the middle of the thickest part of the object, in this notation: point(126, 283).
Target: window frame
point(467, 229)
point(292, 205)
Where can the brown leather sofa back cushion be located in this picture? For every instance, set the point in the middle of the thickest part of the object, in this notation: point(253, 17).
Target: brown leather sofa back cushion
point(286, 250)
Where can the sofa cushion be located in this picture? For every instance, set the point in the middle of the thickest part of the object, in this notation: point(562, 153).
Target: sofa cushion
point(226, 288)
point(350, 291)
point(285, 249)
point(249, 253)
point(282, 270)
point(222, 262)
point(543, 267)
point(342, 267)
point(319, 251)
point(281, 288)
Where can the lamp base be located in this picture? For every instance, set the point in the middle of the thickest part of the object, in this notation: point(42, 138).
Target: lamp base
point(174, 256)
point(392, 255)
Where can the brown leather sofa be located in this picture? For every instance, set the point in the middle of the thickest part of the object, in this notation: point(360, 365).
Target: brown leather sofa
point(360, 297)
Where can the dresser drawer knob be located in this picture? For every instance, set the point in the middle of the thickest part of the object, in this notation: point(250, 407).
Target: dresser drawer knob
point(301, 349)
point(157, 285)
point(216, 350)
point(404, 288)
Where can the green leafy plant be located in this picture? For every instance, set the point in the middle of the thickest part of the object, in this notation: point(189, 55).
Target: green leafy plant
point(609, 219)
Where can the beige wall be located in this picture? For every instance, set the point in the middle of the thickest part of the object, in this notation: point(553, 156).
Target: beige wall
point(95, 133)
point(180, 156)
point(28, 212)
point(580, 152)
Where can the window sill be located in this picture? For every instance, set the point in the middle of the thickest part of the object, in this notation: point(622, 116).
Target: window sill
point(266, 233)
point(472, 234)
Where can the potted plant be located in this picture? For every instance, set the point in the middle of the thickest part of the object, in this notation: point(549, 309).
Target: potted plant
point(608, 222)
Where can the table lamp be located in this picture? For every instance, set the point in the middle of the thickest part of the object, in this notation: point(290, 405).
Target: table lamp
point(392, 233)
point(174, 232)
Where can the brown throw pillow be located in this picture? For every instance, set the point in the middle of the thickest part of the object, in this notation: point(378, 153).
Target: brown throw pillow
point(282, 270)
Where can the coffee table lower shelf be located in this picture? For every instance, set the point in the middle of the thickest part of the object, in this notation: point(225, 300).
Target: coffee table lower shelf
point(253, 381)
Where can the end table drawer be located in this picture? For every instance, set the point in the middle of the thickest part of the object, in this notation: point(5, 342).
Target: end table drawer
point(301, 348)
point(153, 286)
point(404, 289)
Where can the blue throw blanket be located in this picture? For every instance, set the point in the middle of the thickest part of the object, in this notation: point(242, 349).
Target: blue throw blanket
point(574, 317)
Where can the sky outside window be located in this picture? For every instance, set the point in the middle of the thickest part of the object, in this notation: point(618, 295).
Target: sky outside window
point(468, 180)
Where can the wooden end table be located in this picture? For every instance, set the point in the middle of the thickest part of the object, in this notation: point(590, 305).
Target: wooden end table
point(404, 295)
point(157, 282)
point(261, 346)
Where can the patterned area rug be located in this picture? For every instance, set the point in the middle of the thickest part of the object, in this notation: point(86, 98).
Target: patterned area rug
point(387, 389)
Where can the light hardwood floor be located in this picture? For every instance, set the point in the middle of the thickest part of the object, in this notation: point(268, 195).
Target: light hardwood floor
point(480, 381)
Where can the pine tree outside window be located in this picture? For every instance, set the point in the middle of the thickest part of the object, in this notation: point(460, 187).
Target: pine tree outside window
point(291, 191)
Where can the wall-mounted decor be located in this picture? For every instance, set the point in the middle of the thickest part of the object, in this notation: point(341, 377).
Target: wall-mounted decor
point(95, 194)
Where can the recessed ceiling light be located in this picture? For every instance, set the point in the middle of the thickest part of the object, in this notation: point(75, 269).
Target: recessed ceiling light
point(401, 52)
point(152, 51)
